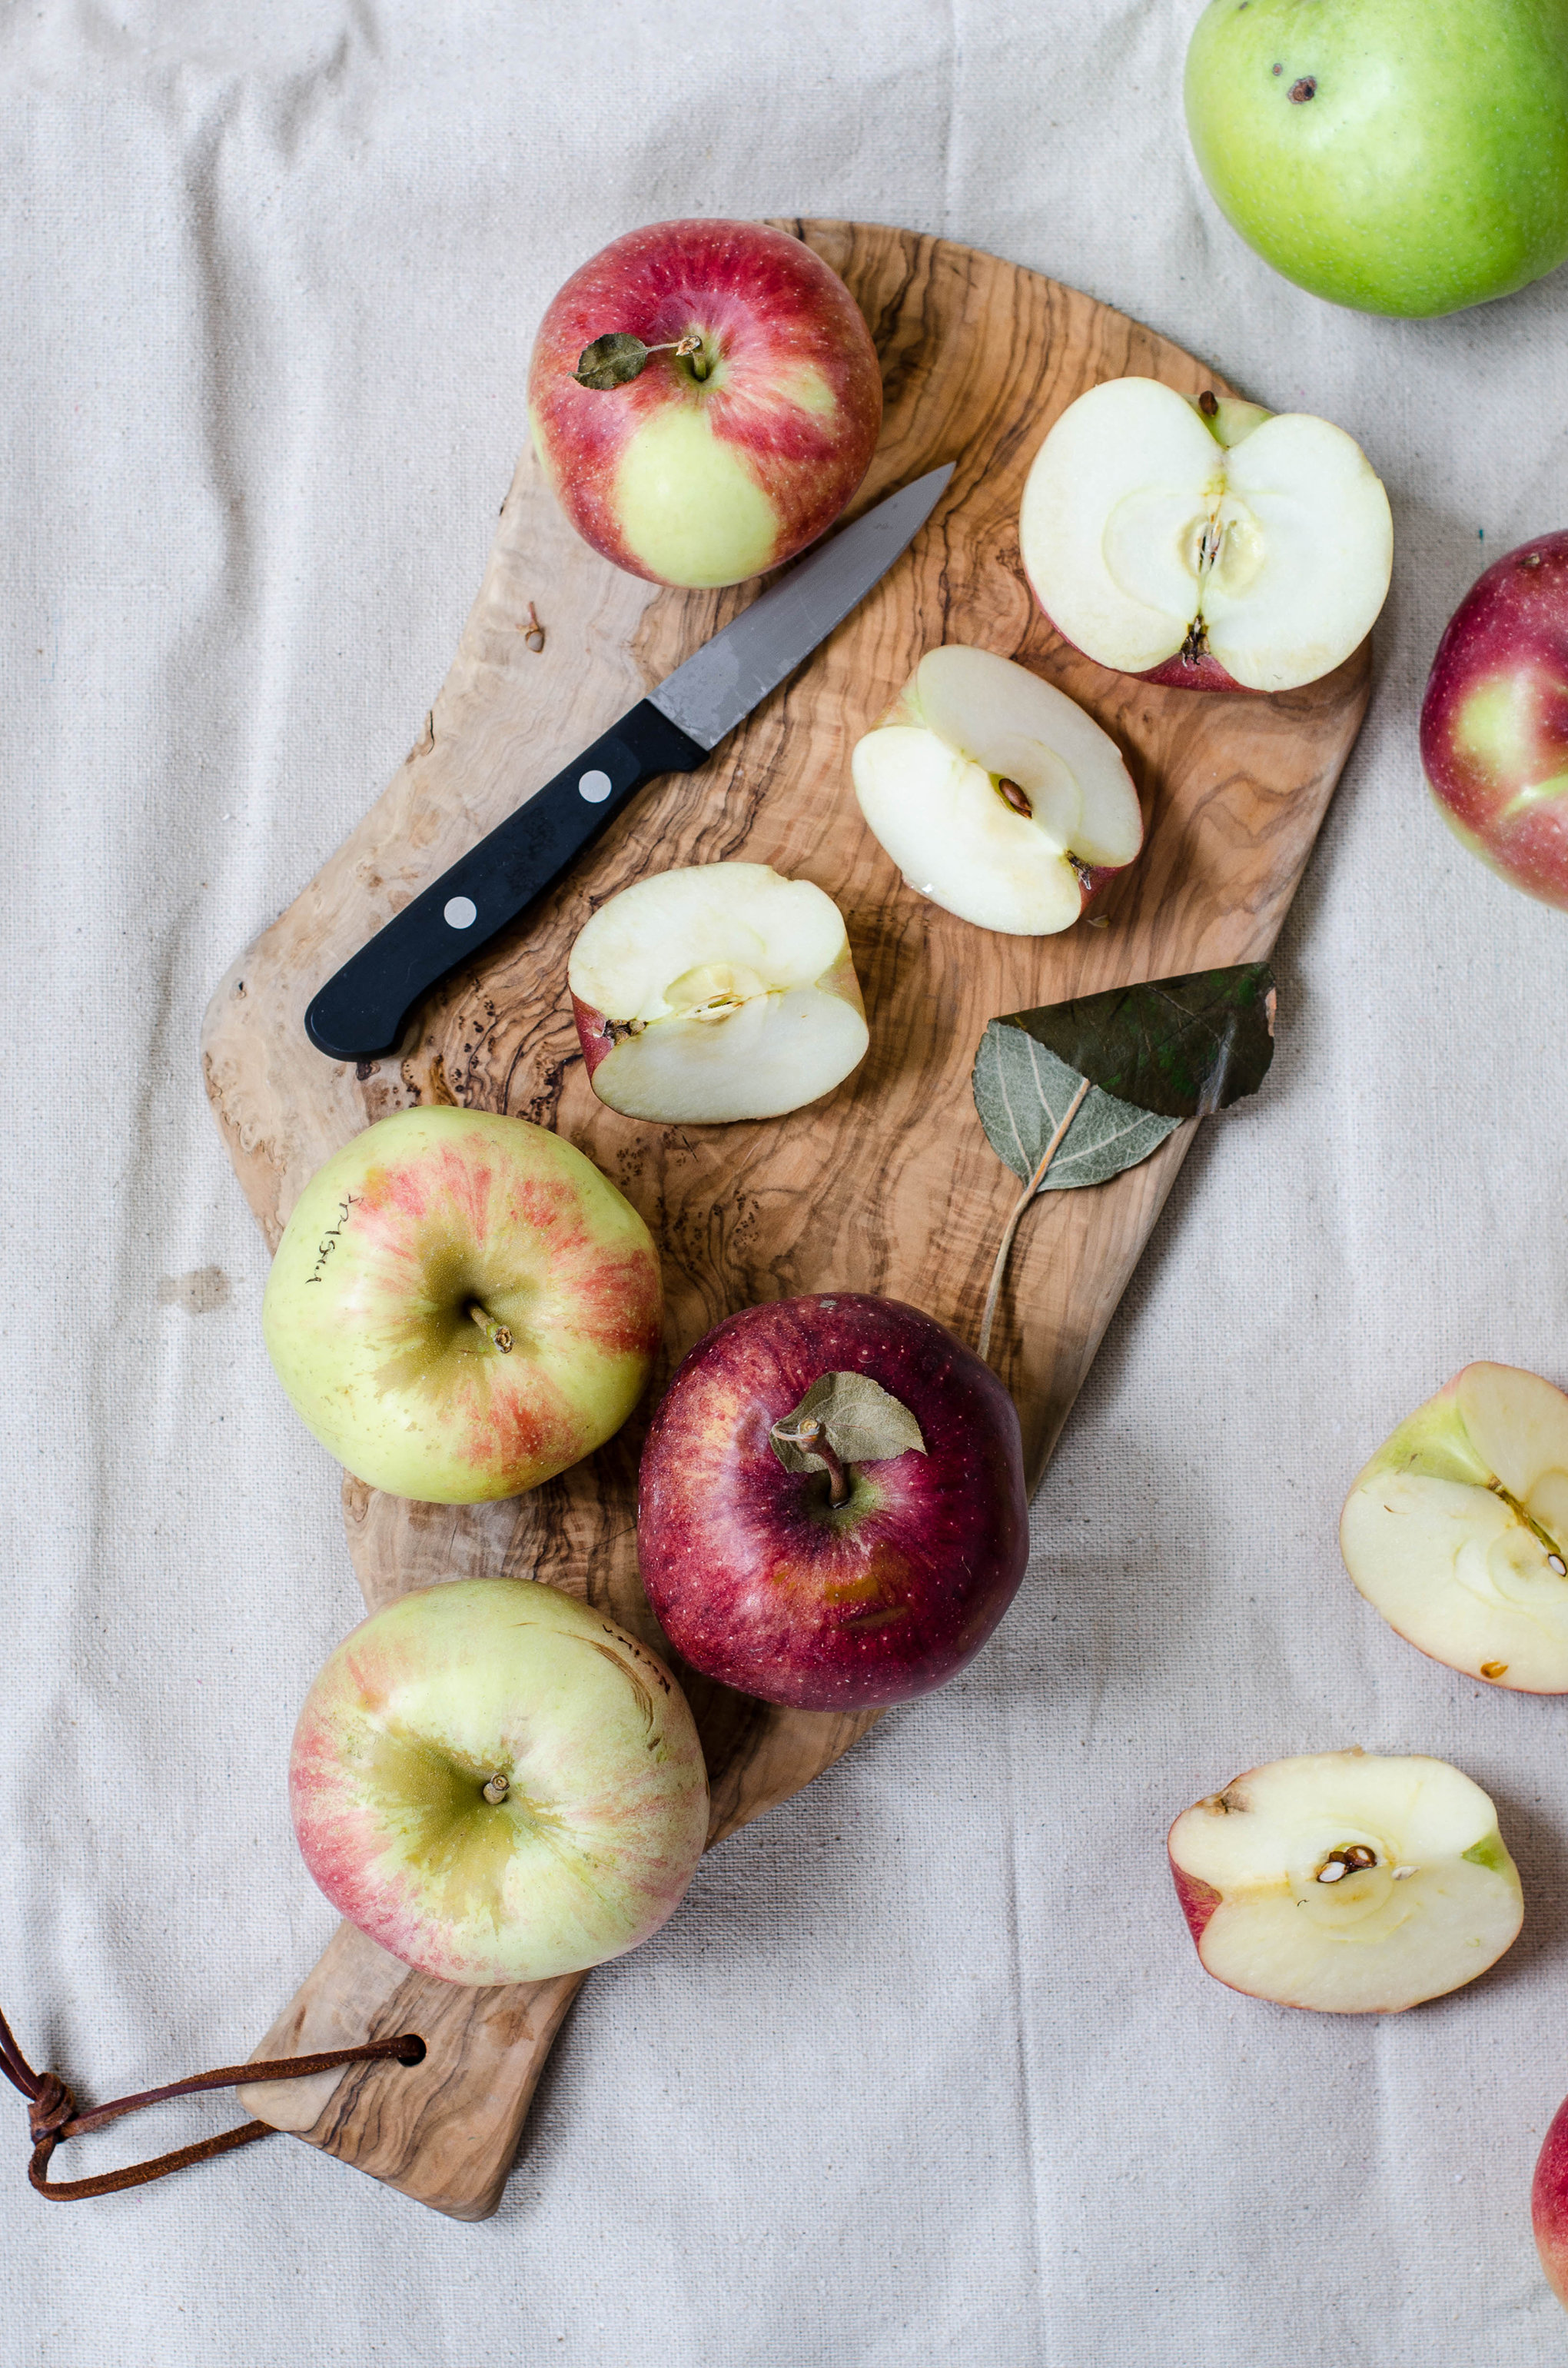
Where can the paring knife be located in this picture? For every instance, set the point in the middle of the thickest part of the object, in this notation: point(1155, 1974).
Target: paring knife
point(360, 1013)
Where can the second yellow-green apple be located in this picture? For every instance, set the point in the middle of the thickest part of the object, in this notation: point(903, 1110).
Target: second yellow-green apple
point(1495, 719)
point(1457, 1530)
point(1207, 545)
point(498, 1783)
point(750, 424)
point(461, 1305)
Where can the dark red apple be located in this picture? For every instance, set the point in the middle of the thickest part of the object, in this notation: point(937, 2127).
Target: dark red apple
point(760, 1578)
point(747, 428)
point(1494, 720)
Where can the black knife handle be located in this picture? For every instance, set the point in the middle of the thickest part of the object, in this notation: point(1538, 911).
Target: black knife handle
point(360, 1013)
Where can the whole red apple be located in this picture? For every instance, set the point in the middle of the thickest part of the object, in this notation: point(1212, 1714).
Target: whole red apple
point(870, 1579)
point(749, 424)
point(1549, 2204)
point(1494, 720)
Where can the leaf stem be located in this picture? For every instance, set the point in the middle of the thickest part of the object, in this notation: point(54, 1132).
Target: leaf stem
point(1030, 1189)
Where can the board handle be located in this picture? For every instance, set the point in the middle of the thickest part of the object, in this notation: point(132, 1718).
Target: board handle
point(359, 1014)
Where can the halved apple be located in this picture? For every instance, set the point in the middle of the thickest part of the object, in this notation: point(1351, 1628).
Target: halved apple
point(1345, 1881)
point(721, 991)
point(1211, 544)
point(994, 793)
point(1457, 1532)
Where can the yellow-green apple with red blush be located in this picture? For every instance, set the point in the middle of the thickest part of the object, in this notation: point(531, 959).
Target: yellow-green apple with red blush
point(1346, 1882)
point(461, 1305)
point(1457, 1529)
point(1494, 720)
point(1211, 544)
point(747, 427)
point(498, 1783)
point(831, 1508)
point(715, 992)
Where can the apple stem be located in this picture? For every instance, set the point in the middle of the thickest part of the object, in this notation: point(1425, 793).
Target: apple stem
point(497, 1788)
point(812, 1433)
point(1030, 1189)
point(1543, 1537)
point(497, 1334)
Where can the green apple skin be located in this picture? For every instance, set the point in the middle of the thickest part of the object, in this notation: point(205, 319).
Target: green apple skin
point(603, 1808)
point(426, 1215)
point(1400, 156)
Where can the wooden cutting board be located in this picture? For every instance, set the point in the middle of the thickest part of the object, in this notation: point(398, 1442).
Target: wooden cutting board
point(889, 1185)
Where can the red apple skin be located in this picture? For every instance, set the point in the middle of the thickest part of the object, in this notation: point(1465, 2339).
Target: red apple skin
point(1549, 2205)
point(593, 1034)
point(771, 308)
point(756, 1584)
point(1198, 1900)
point(1175, 673)
point(1494, 720)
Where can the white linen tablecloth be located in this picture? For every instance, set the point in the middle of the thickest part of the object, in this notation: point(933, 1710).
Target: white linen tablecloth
point(926, 2069)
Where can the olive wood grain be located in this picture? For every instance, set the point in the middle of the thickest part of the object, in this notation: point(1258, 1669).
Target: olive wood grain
point(887, 1186)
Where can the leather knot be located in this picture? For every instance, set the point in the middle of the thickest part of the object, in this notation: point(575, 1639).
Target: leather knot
point(51, 2108)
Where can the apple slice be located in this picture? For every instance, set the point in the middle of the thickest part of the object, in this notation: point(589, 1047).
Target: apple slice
point(994, 793)
point(1457, 1532)
point(1347, 1883)
point(718, 992)
point(1211, 544)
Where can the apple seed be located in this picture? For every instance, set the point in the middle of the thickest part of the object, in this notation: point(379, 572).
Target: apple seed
point(1012, 796)
point(1349, 1861)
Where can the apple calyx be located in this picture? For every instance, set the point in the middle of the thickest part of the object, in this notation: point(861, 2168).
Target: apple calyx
point(844, 1420)
point(497, 1788)
point(498, 1336)
point(619, 358)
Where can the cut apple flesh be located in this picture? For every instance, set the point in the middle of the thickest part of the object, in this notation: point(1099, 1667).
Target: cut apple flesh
point(1152, 532)
point(1347, 1883)
point(994, 793)
point(719, 992)
point(1457, 1532)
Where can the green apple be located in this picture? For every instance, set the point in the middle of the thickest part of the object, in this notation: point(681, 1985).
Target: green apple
point(498, 1783)
point(1402, 156)
point(1457, 1530)
point(461, 1305)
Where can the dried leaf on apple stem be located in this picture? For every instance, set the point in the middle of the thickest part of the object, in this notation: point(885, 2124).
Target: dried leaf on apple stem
point(1074, 1092)
point(861, 1422)
point(610, 361)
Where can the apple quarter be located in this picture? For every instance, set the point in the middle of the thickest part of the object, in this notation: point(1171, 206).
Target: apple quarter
point(1345, 1881)
point(498, 1783)
point(995, 794)
point(1457, 1530)
point(715, 992)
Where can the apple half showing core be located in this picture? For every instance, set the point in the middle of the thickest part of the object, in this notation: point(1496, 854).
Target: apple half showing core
point(1457, 1530)
point(831, 1567)
point(497, 1784)
point(461, 1305)
point(994, 793)
point(1211, 544)
point(718, 992)
point(1345, 1881)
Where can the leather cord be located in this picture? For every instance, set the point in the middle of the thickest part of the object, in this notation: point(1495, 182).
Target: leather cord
point(52, 2115)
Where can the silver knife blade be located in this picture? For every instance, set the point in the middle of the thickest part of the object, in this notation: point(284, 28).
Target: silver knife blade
point(709, 694)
